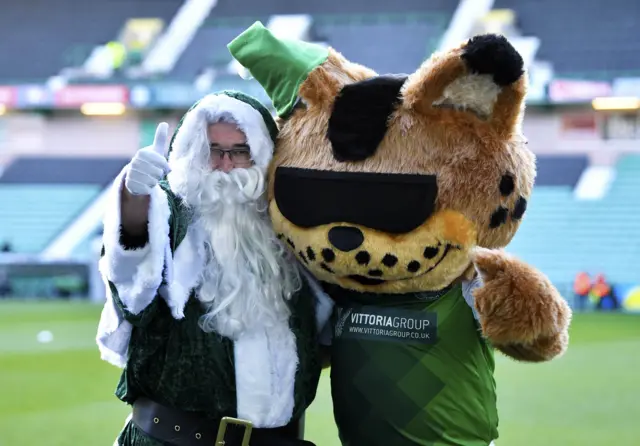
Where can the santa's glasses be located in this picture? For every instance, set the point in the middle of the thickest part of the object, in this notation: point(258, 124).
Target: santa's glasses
point(237, 155)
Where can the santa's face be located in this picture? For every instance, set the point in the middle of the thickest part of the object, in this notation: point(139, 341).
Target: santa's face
point(228, 148)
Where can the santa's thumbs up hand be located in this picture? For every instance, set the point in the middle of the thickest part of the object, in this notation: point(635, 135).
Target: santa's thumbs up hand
point(149, 165)
point(160, 140)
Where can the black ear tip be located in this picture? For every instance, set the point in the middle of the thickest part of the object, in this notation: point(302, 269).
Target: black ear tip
point(493, 54)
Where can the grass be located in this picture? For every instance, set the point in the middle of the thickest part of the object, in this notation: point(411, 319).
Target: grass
point(61, 394)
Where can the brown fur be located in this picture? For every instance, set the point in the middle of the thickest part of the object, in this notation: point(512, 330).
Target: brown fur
point(542, 349)
point(517, 304)
point(466, 130)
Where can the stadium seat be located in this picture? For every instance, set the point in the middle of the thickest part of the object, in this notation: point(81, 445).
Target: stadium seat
point(31, 215)
point(590, 39)
point(371, 33)
point(63, 170)
point(387, 43)
point(561, 235)
point(46, 39)
point(560, 170)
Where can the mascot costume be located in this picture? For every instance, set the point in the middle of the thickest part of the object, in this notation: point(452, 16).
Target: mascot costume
point(398, 192)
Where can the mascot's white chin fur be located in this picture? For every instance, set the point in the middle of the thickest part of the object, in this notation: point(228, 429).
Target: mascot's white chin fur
point(248, 275)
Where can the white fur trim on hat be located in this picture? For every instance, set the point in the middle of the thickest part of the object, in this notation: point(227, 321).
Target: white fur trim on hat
point(248, 119)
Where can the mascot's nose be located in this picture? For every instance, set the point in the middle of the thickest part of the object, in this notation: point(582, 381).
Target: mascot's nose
point(346, 238)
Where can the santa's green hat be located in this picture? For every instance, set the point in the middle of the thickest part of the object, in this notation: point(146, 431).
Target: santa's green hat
point(279, 65)
point(251, 117)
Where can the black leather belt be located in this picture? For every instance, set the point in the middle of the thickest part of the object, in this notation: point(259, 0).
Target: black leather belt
point(180, 428)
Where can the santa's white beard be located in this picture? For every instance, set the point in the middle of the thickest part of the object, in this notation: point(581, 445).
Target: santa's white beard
point(248, 275)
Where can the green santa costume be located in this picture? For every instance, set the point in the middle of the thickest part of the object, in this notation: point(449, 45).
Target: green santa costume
point(180, 379)
point(406, 370)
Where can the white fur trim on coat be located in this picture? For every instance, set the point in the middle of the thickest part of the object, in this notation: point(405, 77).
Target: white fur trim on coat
point(266, 365)
point(136, 274)
point(186, 269)
point(266, 362)
point(323, 303)
point(248, 119)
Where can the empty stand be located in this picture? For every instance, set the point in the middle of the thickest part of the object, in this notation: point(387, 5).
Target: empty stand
point(582, 38)
point(387, 43)
point(234, 8)
point(40, 37)
point(96, 171)
point(560, 170)
point(32, 214)
point(209, 46)
point(388, 37)
point(562, 236)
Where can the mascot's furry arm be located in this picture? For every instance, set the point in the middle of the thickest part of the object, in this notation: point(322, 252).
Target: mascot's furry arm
point(521, 312)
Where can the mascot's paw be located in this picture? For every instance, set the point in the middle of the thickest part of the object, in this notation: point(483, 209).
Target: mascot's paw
point(520, 311)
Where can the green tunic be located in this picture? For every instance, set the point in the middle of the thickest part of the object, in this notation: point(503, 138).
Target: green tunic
point(175, 363)
point(411, 370)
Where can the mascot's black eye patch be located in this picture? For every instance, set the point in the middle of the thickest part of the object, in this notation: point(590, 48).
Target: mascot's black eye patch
point(394, 203)
point(360, 116)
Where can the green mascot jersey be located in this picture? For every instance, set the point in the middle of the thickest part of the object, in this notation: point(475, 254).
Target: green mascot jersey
point(411, 370)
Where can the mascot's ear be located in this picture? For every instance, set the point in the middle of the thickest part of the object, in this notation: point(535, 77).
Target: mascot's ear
point(482, 79)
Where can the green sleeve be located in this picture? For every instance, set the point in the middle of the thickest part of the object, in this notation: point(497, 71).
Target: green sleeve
point(177, 231)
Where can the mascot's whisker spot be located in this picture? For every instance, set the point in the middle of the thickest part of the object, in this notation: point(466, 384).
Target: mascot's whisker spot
point(430, 252)
point(413, 266)
point(304, 259)
point(328, 255)
point(310, 254)
point(375, 273)
point(290, 242)
point(363, 257)
point(507, 185)
point(520, 208)
point(499, 217)
point(280, 236)
point(389, 260)
point(326, 268)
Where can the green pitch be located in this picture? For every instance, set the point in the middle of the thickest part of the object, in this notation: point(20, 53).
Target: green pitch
point(59, 393)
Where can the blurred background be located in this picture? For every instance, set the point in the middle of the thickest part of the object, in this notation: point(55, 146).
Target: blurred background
point(83, 84)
